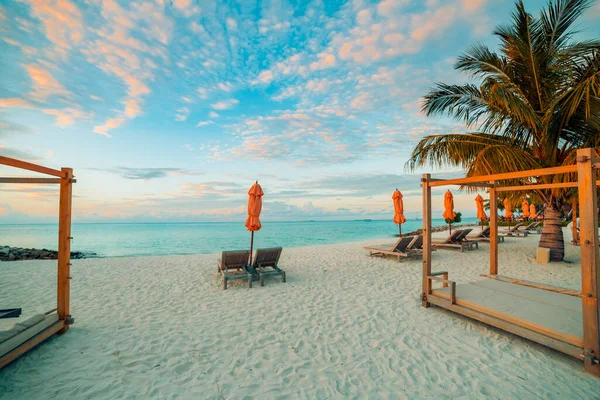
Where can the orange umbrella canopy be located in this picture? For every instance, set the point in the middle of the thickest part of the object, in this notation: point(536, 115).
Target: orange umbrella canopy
point(507, 211)
point(254, 207)
point(448, 206)
point(525, 208)
point(480, 212)
point(532, 212)
point(398, 208)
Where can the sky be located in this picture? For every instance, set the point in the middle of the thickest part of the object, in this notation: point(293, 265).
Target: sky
point(169, 110)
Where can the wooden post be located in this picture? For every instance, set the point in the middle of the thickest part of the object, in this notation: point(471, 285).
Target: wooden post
point(426, 238)
point(493, 230)
point(64, 247)
point(574, 227)
point(590, 262)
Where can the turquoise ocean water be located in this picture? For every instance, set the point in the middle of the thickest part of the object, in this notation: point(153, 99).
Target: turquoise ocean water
point(116, 240)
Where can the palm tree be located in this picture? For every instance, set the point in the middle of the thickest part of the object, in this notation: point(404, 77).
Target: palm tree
point(532, 105)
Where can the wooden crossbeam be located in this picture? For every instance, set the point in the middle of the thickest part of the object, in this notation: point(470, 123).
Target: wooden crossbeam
point(34, 180)
point(11, 162)
point(509, 175)
point(540, 186)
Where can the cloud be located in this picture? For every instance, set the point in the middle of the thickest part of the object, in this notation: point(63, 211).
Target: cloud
point(110, 124)
point(182, 114)
point(67, 116)
point(204, 123)
point(62, 22)
point(14, 103)
point(147, 173)
point(325, 61)
point(225, 104)
point(44, 84)
point(213, 114)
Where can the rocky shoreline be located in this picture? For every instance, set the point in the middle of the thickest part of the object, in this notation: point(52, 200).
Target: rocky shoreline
point(8, 253)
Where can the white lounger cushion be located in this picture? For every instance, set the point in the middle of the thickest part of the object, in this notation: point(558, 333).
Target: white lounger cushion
point(25, 330)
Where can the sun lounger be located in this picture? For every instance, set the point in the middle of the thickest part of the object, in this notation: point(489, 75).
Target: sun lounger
point(10, 313)
point(234, 265)
point(454, 241)
point(516, 230)
point(484, 236)
point(399, 250)
point(534, 227)
point(267, 258)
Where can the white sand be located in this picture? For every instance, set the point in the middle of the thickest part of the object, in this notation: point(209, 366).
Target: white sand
point(345, 325)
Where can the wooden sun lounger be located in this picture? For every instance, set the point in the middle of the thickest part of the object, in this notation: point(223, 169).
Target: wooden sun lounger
point(267, 258)
point(400, 249)
point(515, 231)
point(10, 313)
point(236, 261)
point(452, 242)
point(484, 236)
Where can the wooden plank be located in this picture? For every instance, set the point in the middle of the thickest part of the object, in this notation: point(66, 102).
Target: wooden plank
point(509, 175)
point(522, 282)
point(493, 231)
point(590, 262)
point(31, 180)
point(31, 343)
point(552, 343)
point(11, 162)
point(536, 187)
point(64, 246)
point(426, 238)
point(540, 186)
point(564, 337)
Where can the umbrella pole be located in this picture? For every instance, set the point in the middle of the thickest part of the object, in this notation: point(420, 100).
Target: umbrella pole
point(399, 230)
point(251, 244)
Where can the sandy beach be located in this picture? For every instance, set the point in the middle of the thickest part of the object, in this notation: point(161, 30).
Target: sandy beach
point(344, 325)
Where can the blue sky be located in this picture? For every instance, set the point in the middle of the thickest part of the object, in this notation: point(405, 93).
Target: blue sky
point(169, 110)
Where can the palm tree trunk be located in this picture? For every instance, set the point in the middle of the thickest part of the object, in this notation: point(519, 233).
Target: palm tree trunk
point(552, 234)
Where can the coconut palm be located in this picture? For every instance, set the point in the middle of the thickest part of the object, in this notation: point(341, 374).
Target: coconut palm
point(531, 105)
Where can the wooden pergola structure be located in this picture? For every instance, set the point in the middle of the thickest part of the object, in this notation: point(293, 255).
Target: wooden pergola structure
point(565, 320)
point(59, 319)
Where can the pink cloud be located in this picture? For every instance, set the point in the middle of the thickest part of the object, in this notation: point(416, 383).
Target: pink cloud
point(66, 116)
point(62, 22)
point(44, 84)
point(14, 103)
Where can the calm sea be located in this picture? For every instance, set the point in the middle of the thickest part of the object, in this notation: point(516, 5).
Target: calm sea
point(115, 240)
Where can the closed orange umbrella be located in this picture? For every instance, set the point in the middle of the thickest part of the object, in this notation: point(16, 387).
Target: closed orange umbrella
point(480, 212)
point(449, 209)
point(532, 211)
point(525, 208)
point(398, 210)
point(507, 211)
point(254, 208)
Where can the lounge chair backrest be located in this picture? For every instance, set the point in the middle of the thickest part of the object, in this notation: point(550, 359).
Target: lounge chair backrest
point(417, 243)
point(403, 243)
point(235, 259)
point(453, 236)
point(516, 227)
point(463, 235)
point(484, 233)
point(530, 226)
point(267, 257)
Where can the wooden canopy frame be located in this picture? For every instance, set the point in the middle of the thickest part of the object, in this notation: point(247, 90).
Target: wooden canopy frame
point(586, 348)
point(59, 319)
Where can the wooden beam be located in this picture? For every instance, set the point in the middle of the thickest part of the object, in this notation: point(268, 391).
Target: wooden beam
point(31, 343)
point(509, 175)
point(566, 348)
point(426, 239)
point(523, 282)
point(64, 247)
point(493, 231)
point(31, 180)
point(540, 186)
point(544, 330)
point(11, 162)
point(590, 261)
